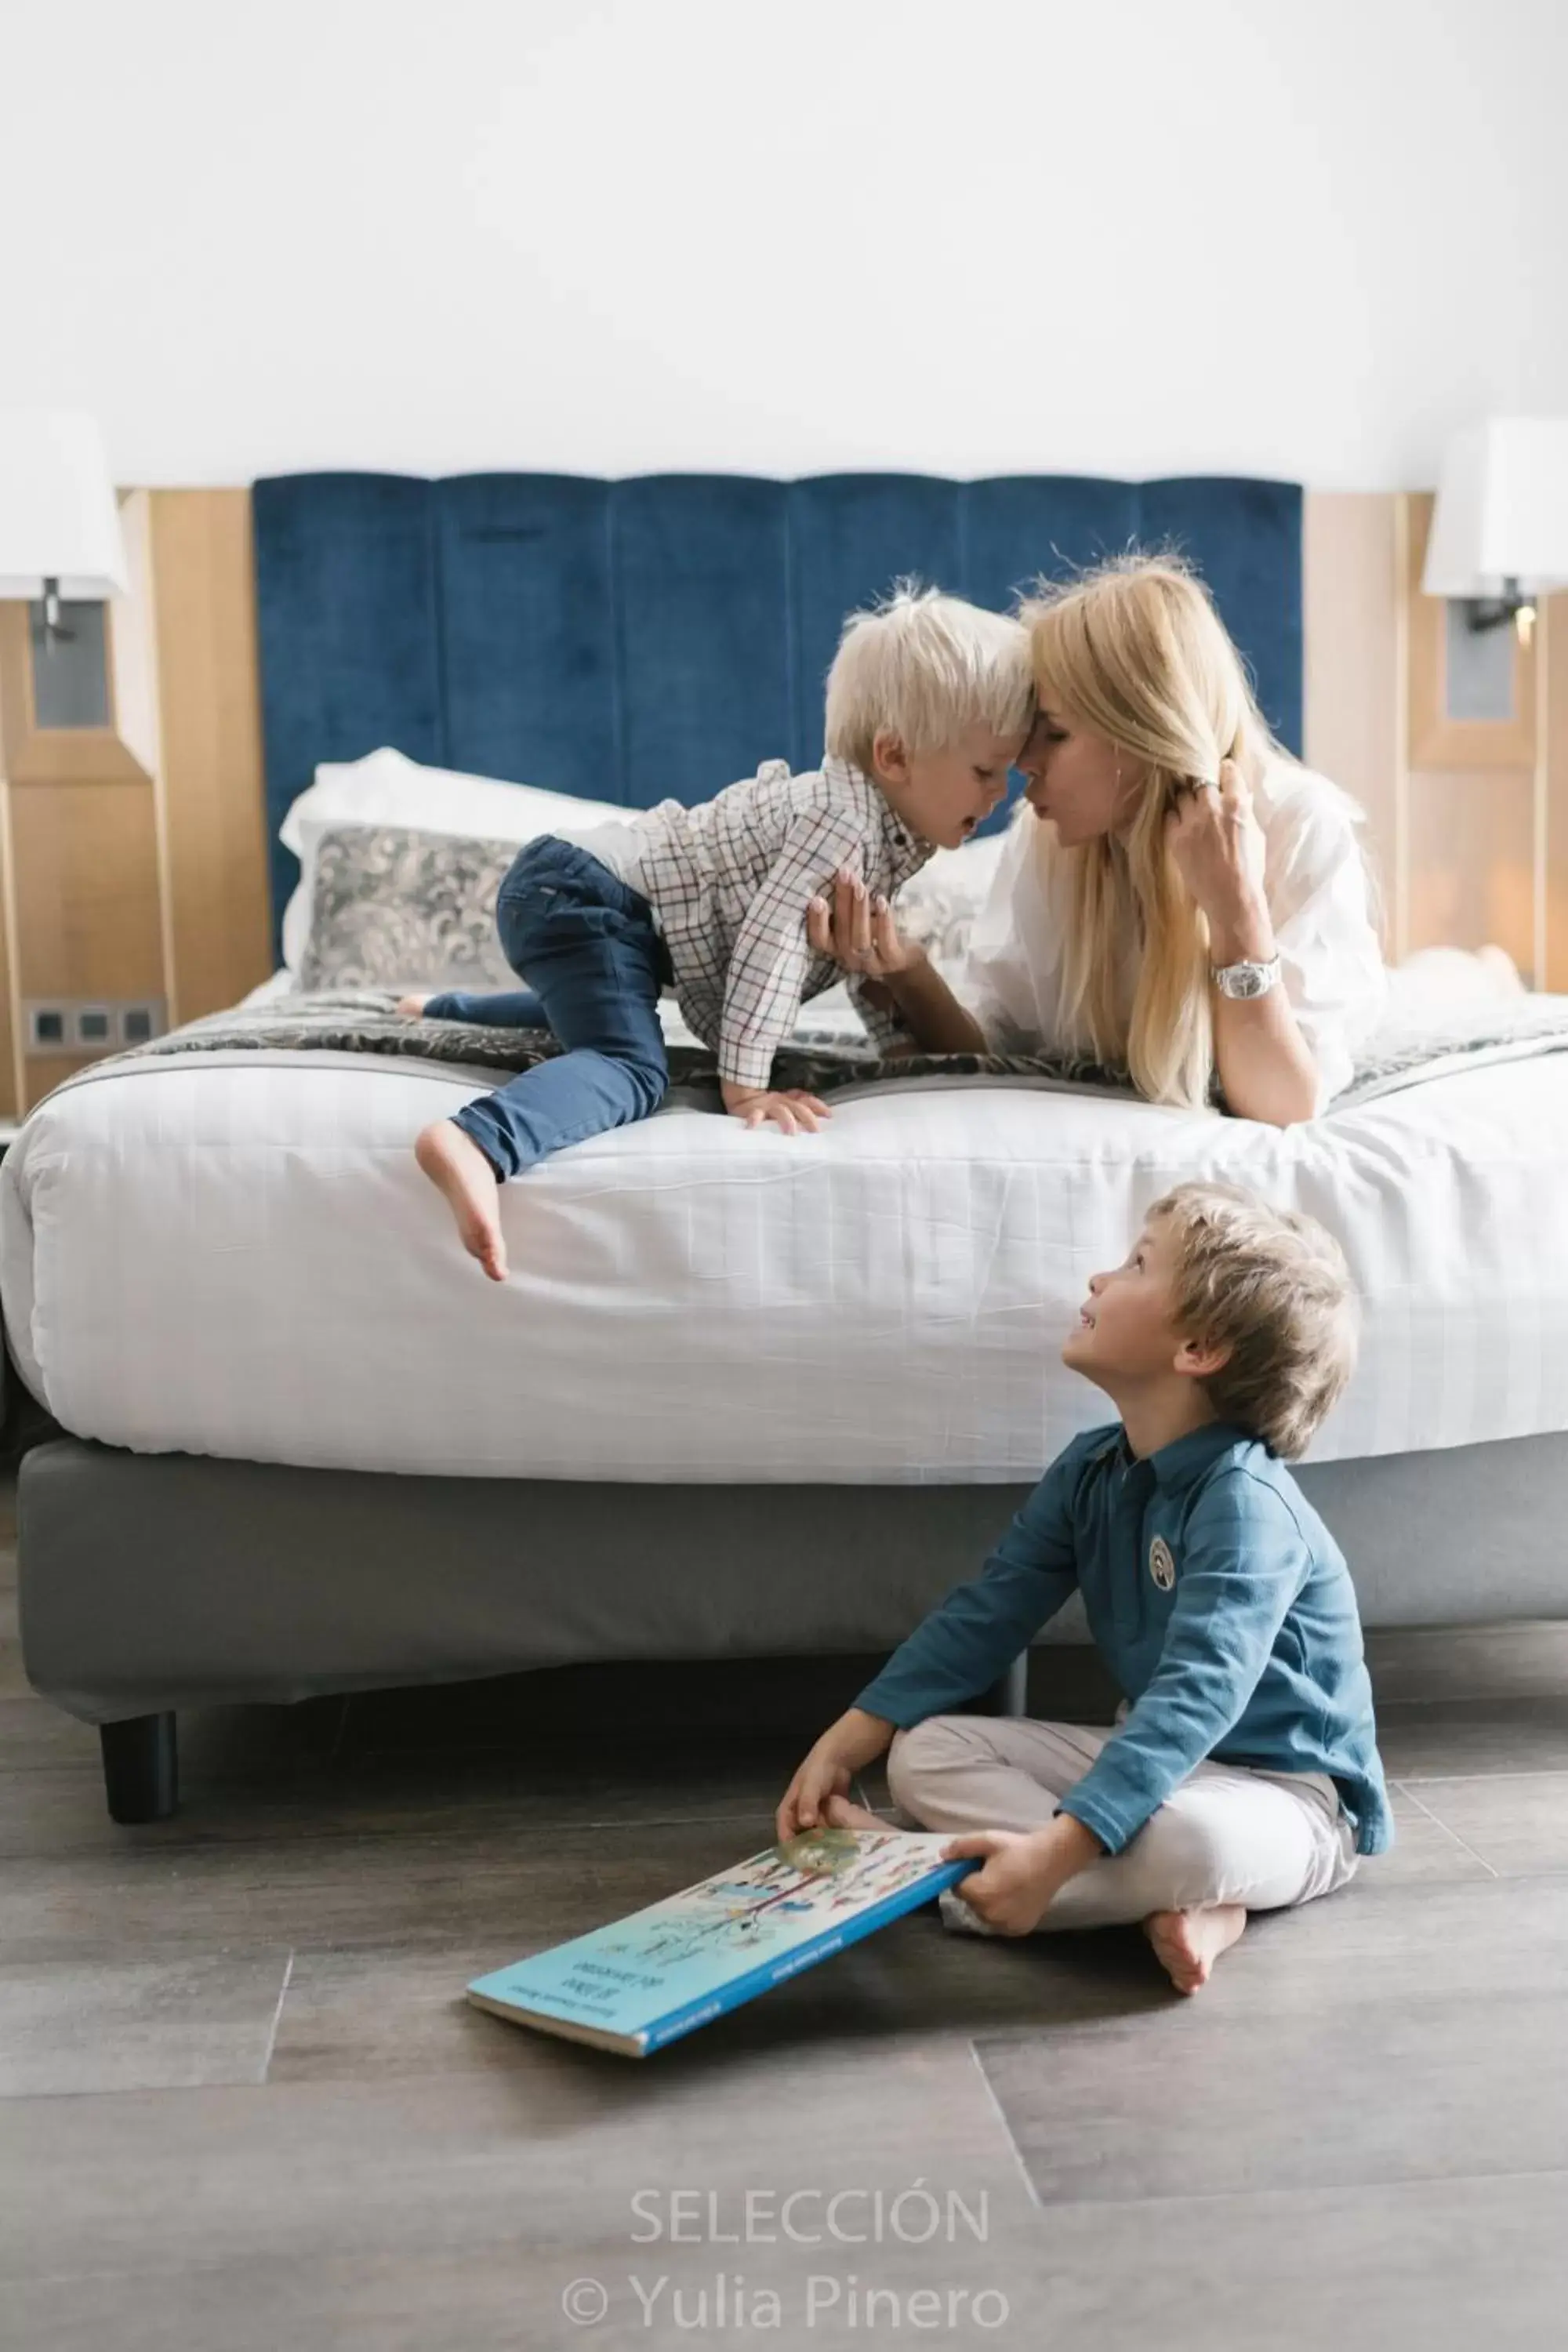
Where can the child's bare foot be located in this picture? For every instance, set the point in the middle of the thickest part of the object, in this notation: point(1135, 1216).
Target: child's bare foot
point(844, 1814)
point(411, 1007)
point(454, 1161)
point(1188, 1943)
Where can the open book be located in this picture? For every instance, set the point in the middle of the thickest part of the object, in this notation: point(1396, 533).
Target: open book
point(654, 1976)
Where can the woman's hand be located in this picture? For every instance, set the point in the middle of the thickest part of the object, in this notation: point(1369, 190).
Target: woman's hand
point(856, 1741)
point(1218, 845)
point(862, 937)
point(1265, 1064)
point(859, 933)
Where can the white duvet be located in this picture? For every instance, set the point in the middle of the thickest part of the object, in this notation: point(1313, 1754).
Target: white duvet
point(225, 1257)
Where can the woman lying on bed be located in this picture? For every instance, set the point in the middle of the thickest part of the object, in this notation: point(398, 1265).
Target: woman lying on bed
point(1181, 897)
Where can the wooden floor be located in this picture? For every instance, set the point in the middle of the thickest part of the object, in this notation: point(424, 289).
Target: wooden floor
point(245, 2106)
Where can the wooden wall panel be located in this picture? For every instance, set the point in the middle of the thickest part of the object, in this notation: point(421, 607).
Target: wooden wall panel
point(1352, 591)
point(1479, 856)
point(132, 645)
point(1472, 873)
point(86, 901)
point(211, 824)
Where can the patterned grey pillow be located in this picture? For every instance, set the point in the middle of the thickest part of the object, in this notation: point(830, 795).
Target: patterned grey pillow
point(396, 909)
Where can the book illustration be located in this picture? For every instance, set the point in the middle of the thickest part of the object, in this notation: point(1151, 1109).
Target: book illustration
point(814, 1879)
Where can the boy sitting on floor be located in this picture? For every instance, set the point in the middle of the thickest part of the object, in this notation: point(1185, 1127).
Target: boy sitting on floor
point(1243, 1773)
point(929, 701)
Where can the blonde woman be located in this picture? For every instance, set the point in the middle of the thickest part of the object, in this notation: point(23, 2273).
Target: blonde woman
point(1179, 898)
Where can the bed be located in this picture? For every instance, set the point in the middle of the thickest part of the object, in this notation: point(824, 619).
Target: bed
point(745, 1395)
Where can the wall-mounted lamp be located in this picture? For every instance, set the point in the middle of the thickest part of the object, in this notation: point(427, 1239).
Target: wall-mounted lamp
point(59, 526)
point(63, 553)
point(1500, 534)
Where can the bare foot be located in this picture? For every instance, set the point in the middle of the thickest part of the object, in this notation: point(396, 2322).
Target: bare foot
point(844, 1814)
point(1188, 1943)
point(411, 1007)
point(454, 1163)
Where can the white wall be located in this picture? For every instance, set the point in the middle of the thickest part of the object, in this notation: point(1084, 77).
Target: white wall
point(1121, 236)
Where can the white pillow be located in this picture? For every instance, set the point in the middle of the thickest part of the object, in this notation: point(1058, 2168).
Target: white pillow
point(939, 905)
point(385, 788)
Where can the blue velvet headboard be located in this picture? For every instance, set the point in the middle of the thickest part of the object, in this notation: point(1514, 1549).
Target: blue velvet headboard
point(636, 640)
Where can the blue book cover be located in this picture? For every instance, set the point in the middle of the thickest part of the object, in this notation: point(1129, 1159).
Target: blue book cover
point(649, 1978)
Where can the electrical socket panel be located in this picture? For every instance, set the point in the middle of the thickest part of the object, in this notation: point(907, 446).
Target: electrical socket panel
point(83, 1026)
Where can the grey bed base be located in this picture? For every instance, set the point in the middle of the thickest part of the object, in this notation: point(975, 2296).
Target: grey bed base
point(151, 1583)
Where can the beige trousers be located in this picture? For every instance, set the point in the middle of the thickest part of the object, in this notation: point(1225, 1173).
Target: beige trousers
point(1227, 1834)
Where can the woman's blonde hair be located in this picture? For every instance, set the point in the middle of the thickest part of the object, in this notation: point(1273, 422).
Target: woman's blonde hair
point(1135, 652)
point(927, 667)
point(1273, 1286)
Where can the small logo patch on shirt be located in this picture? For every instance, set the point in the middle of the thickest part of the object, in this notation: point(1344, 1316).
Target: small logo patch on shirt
point(1162, 1566)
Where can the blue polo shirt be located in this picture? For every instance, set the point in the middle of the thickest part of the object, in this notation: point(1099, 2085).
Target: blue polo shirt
point(1216, 1597)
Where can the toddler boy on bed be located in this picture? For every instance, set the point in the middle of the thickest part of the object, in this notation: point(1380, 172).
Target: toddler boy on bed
point(1243, 1773)
point(929, 700)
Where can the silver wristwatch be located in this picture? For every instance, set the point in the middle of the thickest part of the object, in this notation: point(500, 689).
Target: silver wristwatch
point(1246, 980)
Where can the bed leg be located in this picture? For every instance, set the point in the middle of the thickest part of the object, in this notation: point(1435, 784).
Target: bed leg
point(141, 1768)
point(1009, 1695)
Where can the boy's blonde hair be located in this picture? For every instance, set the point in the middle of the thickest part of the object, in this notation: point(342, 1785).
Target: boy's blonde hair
point(1274, 1287)
point(926, 667)
point(1135, 652)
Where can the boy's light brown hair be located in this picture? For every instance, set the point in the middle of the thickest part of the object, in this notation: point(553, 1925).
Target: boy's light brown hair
point(1274, 1287)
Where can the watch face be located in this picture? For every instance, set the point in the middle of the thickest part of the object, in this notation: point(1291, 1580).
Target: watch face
point(1245, 979)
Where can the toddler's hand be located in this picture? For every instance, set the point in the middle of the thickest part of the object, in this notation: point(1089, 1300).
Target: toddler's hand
point(791, 1107)
point(855, 1740)
point(411, 1007)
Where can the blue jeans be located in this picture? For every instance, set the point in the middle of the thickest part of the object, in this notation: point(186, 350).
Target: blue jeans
point(595, 964)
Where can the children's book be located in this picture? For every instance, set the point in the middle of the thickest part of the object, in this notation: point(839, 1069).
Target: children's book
point(656, 1975)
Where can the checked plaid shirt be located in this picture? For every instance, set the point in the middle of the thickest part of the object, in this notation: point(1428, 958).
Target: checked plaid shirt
point(730, 882)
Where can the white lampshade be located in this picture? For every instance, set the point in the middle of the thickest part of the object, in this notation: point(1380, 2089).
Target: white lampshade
point(1502, 511)
point(58, 518)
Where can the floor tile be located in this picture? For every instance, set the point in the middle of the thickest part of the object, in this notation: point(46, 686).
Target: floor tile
point(548, 2154)
point(1518, 1824)
point(117, 2025)
point(34, 1735)
point(1261, 2081)
point(1484, 1940)
point(1446, 2267)
point(1424, 1849)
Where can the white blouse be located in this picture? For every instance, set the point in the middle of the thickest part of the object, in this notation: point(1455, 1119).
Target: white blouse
point(1320, 901)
